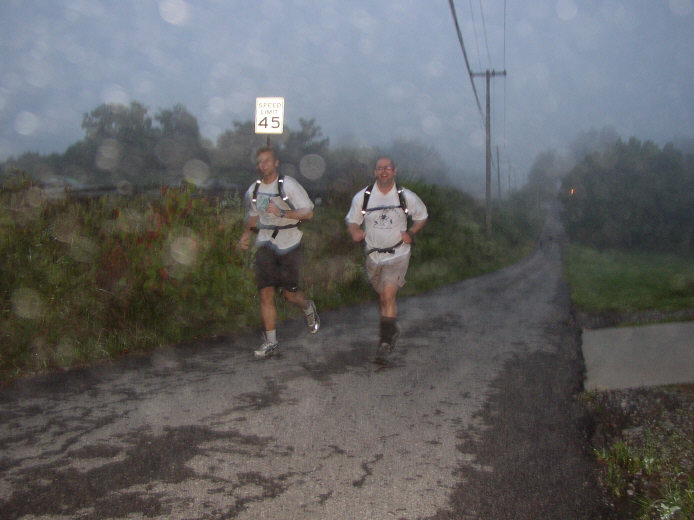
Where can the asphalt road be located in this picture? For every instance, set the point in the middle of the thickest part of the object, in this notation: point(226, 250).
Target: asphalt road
point(476, 417)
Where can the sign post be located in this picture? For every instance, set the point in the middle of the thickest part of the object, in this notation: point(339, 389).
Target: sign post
point(269, 116)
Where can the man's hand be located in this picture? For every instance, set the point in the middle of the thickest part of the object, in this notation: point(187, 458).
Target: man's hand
point(245, 239)
point(358, 234)
point(273, 208)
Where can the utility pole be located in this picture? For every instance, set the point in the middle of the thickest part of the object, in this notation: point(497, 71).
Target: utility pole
point(498, 172)
point(488, 75)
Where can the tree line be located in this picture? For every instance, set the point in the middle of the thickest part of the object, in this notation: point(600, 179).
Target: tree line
point(631, 195)
point(125, 144)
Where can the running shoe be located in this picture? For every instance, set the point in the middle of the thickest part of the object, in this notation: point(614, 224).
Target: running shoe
point(312, 318)
point(382, 353)
point(267, 349)
point(393, 338)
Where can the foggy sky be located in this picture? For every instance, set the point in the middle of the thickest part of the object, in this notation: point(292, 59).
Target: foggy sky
point(368, 71)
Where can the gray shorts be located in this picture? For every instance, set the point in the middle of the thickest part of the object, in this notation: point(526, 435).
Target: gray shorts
point(392, 272)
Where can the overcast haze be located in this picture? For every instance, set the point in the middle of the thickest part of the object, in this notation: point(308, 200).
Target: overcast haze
point(367, 71)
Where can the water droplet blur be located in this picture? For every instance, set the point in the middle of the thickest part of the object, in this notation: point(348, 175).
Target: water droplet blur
point(171, 153)
point(35, 196)
point(65, 229)
point(28, 303)
point(130, 221)
point(566, 10)
point(27, 123)
point(196, 172)
point(108, 154)
point(681, 7)
point(312, 166)
point(478, 139)
point(431, 124)
point(65, 352)
point(175, 12)
point(83, 249)
point(125, 188)
point(216, 106)
point(288, 169)
point(115, 94)
point(184, 249)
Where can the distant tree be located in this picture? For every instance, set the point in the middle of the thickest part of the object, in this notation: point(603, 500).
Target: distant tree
point(178, 140)
point(178, 123)
point(633, 195)
point(122, 140)
point(233, 157)
point(129, 125)
point(306, 140)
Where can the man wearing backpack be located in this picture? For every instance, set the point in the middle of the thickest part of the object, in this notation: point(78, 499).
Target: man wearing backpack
point(275, 205)
point(387, 217)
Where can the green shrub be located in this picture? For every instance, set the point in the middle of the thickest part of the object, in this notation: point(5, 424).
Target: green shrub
point(82, 280)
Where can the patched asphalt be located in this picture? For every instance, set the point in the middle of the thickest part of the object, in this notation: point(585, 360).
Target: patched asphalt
point(477, 415)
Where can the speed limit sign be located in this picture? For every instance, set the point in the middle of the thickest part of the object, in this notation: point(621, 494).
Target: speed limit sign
point(269, 115)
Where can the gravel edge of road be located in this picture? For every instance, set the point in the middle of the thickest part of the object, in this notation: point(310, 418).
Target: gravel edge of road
point(638, 418)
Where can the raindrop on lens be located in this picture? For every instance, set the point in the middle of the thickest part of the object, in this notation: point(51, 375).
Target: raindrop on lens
point(196, 172)
point(27, 303)
point(312, 166)
point(27, 123)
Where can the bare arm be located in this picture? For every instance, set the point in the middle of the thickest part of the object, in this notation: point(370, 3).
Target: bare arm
point(245, 240)
point(408, 236)
point(356, 231)
point(296, 214)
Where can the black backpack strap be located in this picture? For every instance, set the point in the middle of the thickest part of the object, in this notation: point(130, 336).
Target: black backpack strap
point(401, 198)
point(277, 228)
point(283, 194)
point(403, 204)
point(280, 188)
point(254, 196)
point(390, 249)
point(367, 194)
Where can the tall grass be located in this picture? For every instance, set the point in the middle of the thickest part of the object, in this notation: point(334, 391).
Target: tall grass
point(83, 280)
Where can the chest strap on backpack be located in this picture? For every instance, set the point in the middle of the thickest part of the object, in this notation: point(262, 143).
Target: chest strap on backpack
point(390, 250)
point(280, 187)
point(401, 198)
point(277, 228)
point(283, 195)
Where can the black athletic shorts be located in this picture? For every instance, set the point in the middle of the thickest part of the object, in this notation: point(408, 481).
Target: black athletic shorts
point(275, 270)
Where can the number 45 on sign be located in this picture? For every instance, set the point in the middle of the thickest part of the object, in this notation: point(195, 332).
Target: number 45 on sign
point(269, 115)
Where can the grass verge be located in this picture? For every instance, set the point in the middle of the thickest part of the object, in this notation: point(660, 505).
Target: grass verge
point(87, 280)
point(605, 281)
point(643, 437)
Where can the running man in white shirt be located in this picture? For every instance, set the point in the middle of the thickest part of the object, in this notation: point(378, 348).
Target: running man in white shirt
point(386, 217)
point(275, 205)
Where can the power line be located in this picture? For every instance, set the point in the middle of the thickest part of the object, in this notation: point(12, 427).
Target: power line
point(486, 115)
point(467, 62)
point(474, 33)
point(484, 31)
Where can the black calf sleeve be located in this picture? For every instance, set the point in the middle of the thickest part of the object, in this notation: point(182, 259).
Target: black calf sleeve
point(387, 329)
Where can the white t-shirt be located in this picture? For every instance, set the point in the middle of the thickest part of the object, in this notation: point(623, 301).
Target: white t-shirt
point(384, 225)
point(286, 239)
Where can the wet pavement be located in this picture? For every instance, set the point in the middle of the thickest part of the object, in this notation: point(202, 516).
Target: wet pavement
point(476, 416)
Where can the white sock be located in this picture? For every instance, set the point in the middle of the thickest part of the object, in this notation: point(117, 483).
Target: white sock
point(308, 309)
point(271, 335)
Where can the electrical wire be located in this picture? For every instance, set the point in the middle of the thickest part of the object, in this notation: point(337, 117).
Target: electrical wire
point(484, 32)
point(474, 33)
point(467, 62)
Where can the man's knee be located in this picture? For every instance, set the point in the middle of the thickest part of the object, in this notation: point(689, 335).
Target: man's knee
point(267, 294)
